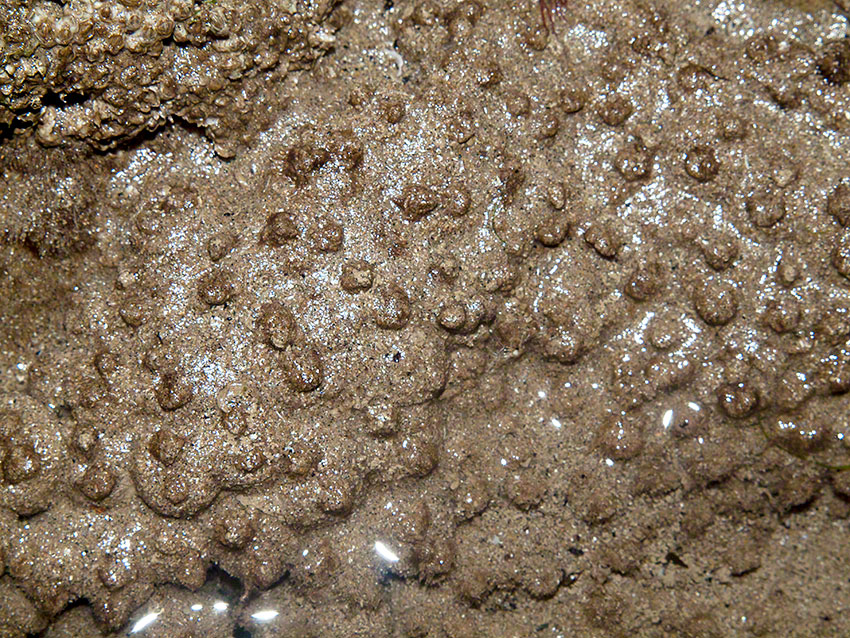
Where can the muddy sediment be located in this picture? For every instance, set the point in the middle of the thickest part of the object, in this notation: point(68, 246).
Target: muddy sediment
point(433, 319)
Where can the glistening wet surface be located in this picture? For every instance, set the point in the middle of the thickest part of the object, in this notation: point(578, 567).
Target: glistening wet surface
point(425, 319)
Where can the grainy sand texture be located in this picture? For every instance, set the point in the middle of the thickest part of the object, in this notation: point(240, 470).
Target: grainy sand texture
point(424, 319)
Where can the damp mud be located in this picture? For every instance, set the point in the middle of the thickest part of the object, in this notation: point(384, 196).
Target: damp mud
point(427, 319)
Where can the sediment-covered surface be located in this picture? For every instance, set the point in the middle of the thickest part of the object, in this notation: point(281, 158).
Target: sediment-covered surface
point(101, 71)
point(455, 325)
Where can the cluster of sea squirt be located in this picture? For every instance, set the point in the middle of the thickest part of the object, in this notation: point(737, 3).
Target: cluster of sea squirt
point(542, 327)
